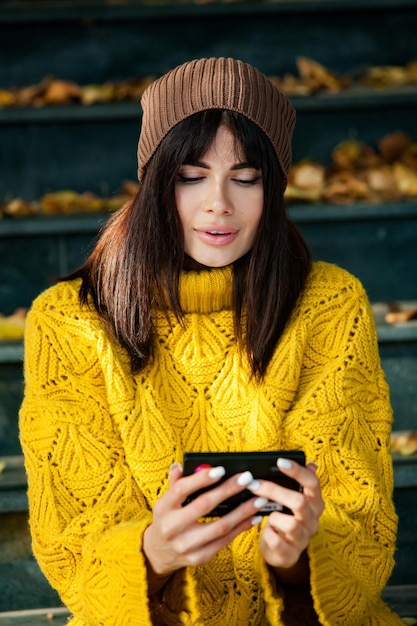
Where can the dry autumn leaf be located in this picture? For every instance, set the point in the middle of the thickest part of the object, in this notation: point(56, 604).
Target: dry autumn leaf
point(406, 179)
point(61, 92)
point(318, 77)
point(12, 326)
point(404, 442)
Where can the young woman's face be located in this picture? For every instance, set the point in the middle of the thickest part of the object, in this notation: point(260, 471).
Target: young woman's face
point(220, 202)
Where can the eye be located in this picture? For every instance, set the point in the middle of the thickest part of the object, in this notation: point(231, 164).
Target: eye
point(188, 179)
point(247, 182)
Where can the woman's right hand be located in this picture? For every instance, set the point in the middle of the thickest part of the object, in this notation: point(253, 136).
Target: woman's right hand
point(176, 538)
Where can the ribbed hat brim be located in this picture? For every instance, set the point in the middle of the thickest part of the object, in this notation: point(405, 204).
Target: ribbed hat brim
point(216, 83)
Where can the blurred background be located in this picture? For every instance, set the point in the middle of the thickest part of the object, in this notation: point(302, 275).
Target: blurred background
point(71, 77)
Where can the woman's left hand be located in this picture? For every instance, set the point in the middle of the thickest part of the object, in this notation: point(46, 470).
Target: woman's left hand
point(285, 537)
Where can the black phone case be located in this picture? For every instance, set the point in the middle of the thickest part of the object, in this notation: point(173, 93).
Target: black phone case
point(263, 465)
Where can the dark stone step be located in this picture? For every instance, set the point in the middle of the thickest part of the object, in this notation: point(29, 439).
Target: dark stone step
point(23, 586)
point(402, 599)
point(35, 617)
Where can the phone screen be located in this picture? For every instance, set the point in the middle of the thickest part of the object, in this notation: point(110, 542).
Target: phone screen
point(263, 465)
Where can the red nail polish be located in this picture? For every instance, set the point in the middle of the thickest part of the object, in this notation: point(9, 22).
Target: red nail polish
point(201, 467)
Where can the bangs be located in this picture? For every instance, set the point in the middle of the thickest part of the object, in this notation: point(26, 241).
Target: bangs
point(190, 139)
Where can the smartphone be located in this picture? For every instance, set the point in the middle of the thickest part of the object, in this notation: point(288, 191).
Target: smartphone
point(263, 465)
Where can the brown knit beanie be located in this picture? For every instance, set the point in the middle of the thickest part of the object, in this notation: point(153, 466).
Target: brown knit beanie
point(216, 83)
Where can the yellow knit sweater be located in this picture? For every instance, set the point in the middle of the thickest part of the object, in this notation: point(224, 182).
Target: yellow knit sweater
point(98, 443)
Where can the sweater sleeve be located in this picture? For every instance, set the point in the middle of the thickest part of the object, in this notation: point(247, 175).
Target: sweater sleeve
point(343, 420)
point(87, 514)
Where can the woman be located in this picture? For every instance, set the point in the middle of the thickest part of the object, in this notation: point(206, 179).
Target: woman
point(200, 324)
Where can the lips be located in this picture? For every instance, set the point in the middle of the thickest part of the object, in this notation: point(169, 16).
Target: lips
point(216, 236)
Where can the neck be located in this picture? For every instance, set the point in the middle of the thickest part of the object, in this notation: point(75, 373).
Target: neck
point(191, 265)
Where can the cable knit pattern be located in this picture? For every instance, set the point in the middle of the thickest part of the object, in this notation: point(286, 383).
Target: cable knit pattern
point(98, 444)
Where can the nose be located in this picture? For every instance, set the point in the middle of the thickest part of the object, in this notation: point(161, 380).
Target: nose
point(218, 200)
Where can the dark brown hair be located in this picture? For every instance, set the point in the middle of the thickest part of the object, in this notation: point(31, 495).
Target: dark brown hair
point(139, 255)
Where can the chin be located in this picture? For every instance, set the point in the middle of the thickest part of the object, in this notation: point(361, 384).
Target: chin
point(213, 261)
point(215, 264)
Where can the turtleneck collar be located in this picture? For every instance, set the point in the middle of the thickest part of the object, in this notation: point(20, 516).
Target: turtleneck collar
point(207, 290)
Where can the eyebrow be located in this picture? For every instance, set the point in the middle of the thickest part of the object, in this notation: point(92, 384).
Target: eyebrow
point(237, 166)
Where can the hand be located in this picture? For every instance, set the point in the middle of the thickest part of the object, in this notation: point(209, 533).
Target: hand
point(285, 537)
point(176, 539)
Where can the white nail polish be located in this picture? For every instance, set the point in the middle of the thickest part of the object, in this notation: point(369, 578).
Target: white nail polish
point(284, 463)
point(217, 472)
point(245, 479)
point(260, 502)
point(256, 520)
point(254, 485)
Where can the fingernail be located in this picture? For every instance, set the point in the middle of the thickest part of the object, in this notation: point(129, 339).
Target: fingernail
point(254, 485)
point(256, 520)
point(201, 467)
point(284, 463)
point(260, 502)
point(217, 472)
point(174, 466)
point(245, 479)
